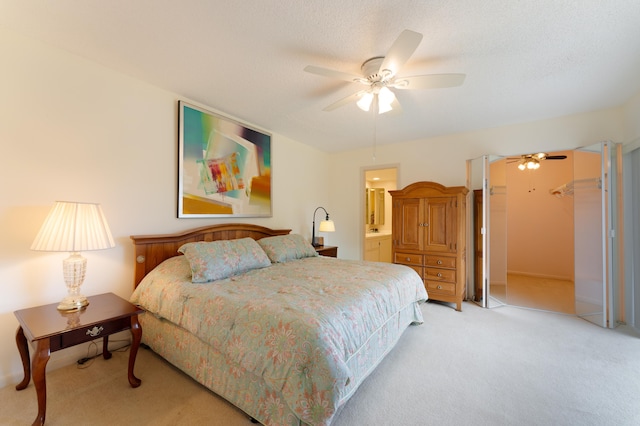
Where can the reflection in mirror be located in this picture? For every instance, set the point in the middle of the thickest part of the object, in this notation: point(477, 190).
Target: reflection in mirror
point(497, 200)
point(374, 206)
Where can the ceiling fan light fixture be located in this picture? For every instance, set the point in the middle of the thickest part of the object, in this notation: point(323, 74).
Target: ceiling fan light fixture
point(386, 96)
point(529, 163)
point(532, 164)
point(382, 108)
point(364, 103)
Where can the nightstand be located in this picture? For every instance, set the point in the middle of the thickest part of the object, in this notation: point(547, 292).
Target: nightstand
point(329, 251)
point(51, 330)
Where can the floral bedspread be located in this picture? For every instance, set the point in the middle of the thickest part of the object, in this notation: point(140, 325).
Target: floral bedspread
point(295, 324)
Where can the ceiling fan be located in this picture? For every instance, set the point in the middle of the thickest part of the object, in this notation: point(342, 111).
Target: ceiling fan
point(380, 75)
point(532, 161)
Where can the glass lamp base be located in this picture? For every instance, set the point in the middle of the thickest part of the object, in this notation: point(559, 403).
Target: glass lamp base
point(73, 303)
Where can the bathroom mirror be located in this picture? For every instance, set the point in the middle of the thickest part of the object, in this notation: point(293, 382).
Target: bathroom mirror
point(374, 206)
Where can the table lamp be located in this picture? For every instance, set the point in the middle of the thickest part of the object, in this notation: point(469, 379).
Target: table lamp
point(326, 225)
point(74, 227)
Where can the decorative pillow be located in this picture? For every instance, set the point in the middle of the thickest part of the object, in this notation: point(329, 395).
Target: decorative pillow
point(217, 260)
point(282, 248)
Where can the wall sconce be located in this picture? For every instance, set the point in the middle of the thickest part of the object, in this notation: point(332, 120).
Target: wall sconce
point(326, 225)
point(74, 227)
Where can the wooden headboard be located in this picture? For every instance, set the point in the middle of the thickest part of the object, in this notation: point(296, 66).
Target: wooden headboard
point(151, 250)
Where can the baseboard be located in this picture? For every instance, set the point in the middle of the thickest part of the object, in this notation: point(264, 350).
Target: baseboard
point(541, 276)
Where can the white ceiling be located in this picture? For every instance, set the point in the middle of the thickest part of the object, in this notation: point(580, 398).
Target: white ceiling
point(524, 60)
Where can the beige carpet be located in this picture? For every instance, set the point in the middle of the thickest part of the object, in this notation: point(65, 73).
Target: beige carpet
point(547, 294)
point(505, 366)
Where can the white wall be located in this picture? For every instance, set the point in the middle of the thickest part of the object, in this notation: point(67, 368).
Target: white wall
point(443, 159)
point(540, 226)
point(73, 130)
point(631, 119)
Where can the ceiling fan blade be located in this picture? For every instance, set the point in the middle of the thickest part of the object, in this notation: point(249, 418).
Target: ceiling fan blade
point(396, 108)
point(430, 81)
point(555, 157)
point(339, 75)
point(344, 101)
point(400, 51)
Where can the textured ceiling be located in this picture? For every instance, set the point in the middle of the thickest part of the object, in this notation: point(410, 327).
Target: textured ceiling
point(524, 60)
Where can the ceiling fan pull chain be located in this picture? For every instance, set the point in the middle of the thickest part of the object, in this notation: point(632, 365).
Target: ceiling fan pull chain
point(374, 112)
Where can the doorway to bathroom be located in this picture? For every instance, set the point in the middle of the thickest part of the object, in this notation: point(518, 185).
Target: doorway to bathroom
point(377, 212)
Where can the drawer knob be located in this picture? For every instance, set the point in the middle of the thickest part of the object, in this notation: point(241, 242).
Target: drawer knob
point(439, 287)
point(93, 332)
point(408, 259)
point(439, 262)
point(439, 274)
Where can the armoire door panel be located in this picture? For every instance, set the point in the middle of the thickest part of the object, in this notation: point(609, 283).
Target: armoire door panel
point(409, 236)
point(440, 234)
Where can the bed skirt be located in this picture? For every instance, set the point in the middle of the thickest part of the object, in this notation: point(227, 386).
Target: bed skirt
point(248, 391)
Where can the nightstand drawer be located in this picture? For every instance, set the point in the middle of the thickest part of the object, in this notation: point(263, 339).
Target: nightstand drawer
point(88, 333)
point(408, 258)
point(437, 287)
point(328, 251)
point(437, 274)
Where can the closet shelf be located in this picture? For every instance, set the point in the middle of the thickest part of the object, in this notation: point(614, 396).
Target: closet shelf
point(569, 187)
point(497, 189)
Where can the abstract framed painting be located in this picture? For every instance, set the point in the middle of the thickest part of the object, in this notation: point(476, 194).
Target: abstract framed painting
point(224, 166)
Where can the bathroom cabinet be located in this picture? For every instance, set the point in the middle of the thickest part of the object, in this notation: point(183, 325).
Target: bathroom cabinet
point(378, 248)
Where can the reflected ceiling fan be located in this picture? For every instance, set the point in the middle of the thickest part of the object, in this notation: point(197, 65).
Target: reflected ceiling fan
point(532, 161)
point(380, 75)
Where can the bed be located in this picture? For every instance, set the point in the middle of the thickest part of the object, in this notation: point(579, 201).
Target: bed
point(256, 316)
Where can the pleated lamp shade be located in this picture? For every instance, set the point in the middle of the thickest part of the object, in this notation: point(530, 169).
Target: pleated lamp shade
point(74, 227)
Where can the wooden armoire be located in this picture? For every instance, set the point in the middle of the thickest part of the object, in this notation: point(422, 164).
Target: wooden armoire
point(429, 235)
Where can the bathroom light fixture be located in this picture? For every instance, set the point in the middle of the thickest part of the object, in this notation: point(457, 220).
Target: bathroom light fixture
point(74, 227)
point(326, 225)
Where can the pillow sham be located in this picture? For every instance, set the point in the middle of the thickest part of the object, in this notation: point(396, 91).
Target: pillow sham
point(216, 260)
point(283, 248)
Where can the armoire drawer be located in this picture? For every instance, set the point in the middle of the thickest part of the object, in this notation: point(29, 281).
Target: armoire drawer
point(439, 287)
point(437, 274)
point(440, 261)
point(418, 269)
point(408, 258)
